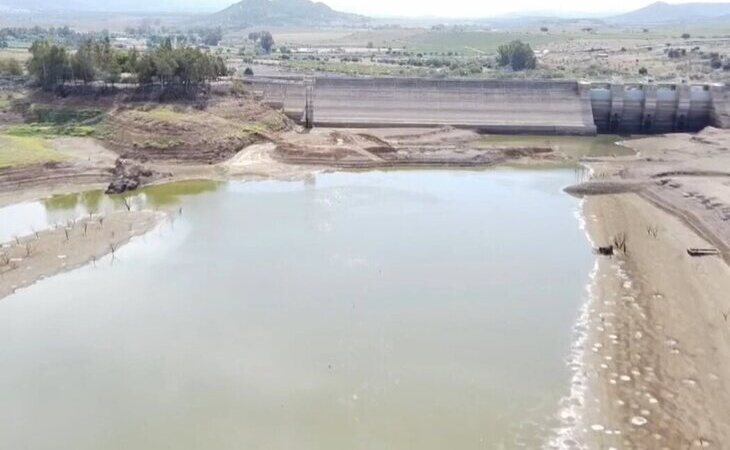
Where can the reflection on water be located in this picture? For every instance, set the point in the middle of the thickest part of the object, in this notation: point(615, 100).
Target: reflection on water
point(378, 310)
point(574, 147)
point(170, 194)
point(89, 201)
point(25, 218)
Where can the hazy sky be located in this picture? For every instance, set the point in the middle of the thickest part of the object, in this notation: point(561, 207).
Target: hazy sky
point(486, 8)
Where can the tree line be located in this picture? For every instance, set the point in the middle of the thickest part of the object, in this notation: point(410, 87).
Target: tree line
point(96, 60)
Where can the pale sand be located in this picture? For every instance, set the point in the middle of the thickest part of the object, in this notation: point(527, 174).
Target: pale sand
point(49, 252)
point(656, 360)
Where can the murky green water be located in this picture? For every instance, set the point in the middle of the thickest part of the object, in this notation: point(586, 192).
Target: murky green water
point(379, 310)
point(573, 147)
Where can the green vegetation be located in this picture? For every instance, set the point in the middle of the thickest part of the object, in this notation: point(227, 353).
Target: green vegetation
point(90, 200)
point(471, 42)
point(63, 35)
point(264, 39)
point(10, 66)
point(61, 116)
point(26, 150)
point(213, 37)
point(356, 68)
point(517, 55)
point(170, 193)
point(42, 130)
point(51, 65)
point(5, 103)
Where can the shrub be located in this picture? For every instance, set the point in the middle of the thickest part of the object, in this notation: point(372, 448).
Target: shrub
point(516, 54)
point(10, 66)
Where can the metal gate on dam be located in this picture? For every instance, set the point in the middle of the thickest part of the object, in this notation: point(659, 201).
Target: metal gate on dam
point(498, 106)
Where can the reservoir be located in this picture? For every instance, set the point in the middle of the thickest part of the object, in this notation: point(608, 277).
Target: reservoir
point(424, 309)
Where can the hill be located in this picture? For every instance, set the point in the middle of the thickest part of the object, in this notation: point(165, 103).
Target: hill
point(661, 12)
point(38, 5)
point(67, 6)
point(248, 13)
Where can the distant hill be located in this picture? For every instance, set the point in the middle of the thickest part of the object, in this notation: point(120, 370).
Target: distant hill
point(661, 12)
point(39, 5)
point(67, 6)
point(248, 13)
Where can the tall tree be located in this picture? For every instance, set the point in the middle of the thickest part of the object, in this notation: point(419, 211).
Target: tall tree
point(49, 64)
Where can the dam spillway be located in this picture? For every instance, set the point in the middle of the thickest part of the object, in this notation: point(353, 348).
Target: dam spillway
point(498, 106)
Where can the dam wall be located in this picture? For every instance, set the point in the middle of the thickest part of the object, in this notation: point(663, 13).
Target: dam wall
point(544, 107)
point(657, 108)
point(498, 106)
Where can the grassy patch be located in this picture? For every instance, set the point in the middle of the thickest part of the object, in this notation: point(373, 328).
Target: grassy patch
point(474, 42)
point(26, 150)
point(354, 68)
point(63, 116)
point(42, 130)
point(252, 128)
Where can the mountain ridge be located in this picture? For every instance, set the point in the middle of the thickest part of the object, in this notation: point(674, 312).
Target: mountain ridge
point(662, 12)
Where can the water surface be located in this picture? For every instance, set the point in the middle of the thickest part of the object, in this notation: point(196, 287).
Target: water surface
point(379, 310)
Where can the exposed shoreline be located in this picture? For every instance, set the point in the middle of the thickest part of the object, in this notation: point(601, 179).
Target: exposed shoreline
point(651, 365)
point(651, 358)
point(31, 258)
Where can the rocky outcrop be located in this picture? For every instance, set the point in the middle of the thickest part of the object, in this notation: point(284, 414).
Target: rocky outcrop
point(128, 176)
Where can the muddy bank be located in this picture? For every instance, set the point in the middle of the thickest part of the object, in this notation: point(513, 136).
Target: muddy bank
point(445, 147)
point(684, 174)
point(655, 363)
point(28, 259)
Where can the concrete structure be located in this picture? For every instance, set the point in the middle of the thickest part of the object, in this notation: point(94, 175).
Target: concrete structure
point(658, 108)
point(496, 106)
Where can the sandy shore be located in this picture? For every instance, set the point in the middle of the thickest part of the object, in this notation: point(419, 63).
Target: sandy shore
point(654, 366)
point(49, 252)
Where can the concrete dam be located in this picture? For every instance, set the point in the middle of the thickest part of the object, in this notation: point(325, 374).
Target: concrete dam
point(497, 106)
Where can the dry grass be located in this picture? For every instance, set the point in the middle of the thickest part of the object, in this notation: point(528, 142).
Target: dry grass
point(184, 133)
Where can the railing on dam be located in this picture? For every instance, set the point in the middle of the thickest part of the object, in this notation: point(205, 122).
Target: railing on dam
point(498, 106)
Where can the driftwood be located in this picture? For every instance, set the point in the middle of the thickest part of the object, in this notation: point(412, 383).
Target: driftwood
point(703, 252)
point(605, 251)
